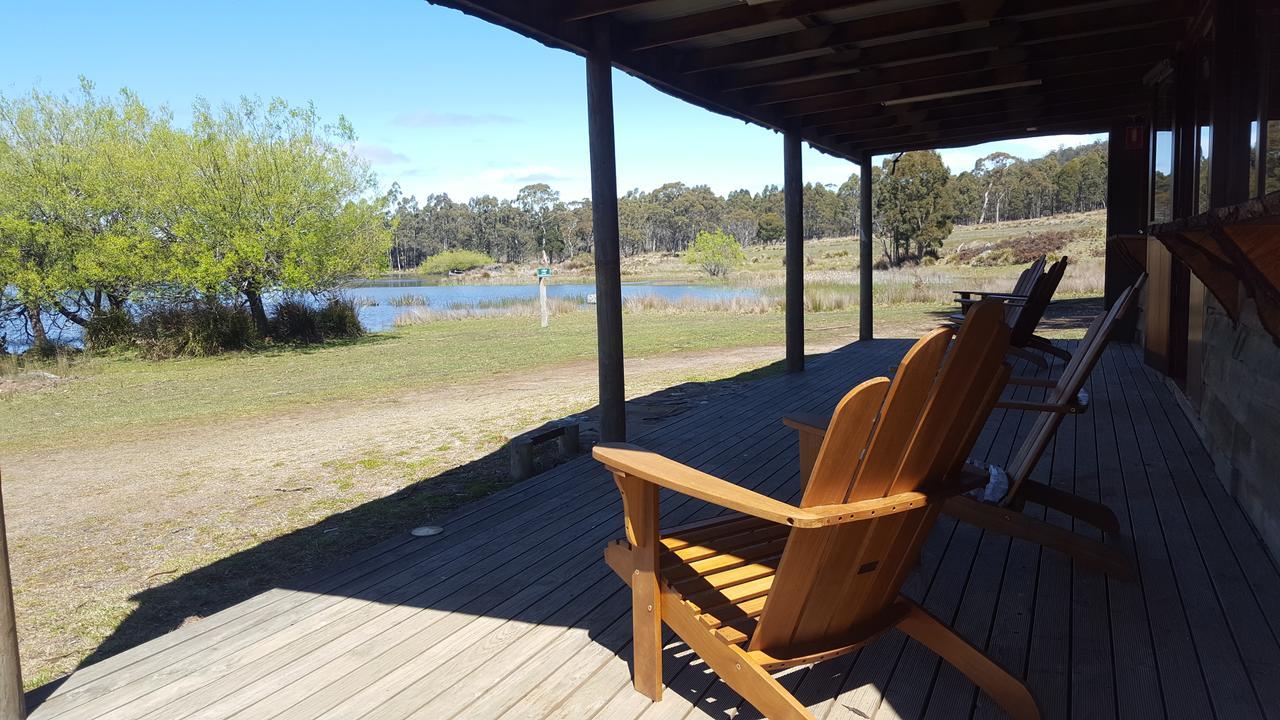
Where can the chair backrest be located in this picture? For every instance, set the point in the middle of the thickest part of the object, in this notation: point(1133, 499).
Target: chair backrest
point(1028, 277)
point(1027, 315)
point(1068, 388)
point(885, 438)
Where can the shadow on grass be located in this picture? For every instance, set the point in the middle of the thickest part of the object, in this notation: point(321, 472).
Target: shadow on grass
point(313, 550)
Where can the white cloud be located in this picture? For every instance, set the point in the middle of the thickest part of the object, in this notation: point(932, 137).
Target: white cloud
point(379, 154)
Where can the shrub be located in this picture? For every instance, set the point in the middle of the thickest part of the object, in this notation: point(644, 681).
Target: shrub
point(339, 319)
point(715, 252)
point(1013, 251)
point(442, 263)
point(581, 261)
point(194, 329)
point(293, 320)
point(108, 329)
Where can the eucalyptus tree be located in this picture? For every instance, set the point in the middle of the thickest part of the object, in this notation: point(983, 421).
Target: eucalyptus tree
point(993, 171)
point(913, 203)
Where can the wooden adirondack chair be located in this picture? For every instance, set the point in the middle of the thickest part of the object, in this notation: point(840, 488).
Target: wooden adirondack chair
point(1005, 515)
point(1021, 288)
point(780, 585)
point(1024, 314)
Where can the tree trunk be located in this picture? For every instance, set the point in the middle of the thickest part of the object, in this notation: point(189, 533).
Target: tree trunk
point(258, 311)
point(38, 334)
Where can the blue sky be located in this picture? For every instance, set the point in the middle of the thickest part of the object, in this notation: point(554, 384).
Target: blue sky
point(441, 101)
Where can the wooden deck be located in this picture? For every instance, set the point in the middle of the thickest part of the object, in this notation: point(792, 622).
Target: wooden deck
point(512, 612)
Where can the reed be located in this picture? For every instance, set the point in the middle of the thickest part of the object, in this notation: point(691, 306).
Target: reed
point(408, 300)
point(503, 308)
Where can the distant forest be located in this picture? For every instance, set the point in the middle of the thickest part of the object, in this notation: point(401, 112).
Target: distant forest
point(917, 200)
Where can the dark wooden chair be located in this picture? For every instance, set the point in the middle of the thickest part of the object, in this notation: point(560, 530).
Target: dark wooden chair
point(1021, 288)
point(1004, 514)
point(1024, 313)
point(781, 585)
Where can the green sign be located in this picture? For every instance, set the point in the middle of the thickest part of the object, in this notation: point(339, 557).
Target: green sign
point(544, 272)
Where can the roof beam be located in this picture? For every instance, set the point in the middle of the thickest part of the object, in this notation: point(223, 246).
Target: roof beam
point(975, 83)
point(935, 141)
point(831, 121)
point(904, 120)
point(950, 54)
point(745, 15)
point(584, 9)
point(928, 22)
point(1026, 118)
point(1039, 64)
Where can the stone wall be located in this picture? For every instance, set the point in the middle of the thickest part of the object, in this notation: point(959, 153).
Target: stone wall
point(1240, 413)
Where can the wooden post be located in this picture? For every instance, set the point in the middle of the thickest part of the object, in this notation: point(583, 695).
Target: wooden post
point(1128, 192)
point(12, 701)
point(604, 226)
point(793, 203)
point(542, 299)
point(865, 317)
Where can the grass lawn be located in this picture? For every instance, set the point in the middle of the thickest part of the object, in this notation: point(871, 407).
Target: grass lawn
point(106, 399)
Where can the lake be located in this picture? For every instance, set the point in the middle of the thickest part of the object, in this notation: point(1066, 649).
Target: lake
point(377, 314)
point(441, 297)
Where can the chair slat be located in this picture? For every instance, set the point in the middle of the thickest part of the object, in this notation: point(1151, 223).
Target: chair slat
point(827, 575)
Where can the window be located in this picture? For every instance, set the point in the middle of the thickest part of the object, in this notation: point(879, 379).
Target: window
point(1162, 177)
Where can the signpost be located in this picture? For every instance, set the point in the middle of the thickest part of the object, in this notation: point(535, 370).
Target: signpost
point(543, 273)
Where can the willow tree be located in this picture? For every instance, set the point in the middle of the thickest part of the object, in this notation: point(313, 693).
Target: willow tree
point(75, 237)
point(269, 199)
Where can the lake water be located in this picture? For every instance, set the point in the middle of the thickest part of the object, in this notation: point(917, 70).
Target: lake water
point(380, 315)
point(441, 297)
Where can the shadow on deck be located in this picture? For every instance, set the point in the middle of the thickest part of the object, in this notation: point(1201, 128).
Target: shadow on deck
point(511, 612)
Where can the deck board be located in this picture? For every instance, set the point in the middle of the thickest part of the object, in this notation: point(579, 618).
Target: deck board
point(511, 612)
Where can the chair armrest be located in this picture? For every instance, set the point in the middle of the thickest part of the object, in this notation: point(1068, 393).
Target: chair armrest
point(667, 473)
point(1033, 381)
point(1005, 296)
point(985, 293)
point(807, 422)
point(1006, 299)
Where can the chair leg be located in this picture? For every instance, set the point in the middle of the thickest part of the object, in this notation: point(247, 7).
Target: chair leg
point(1008, 692)
point(1094, 513)
point(640, 507)
point(1086, 551)
point(1034, 358)
point(733, 665)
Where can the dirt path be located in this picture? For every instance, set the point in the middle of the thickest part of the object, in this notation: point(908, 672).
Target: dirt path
point(92, 528)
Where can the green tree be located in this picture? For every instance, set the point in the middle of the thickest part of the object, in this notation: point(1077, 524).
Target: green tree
point(992, 171)
point(913, 206)
point(74, 237)
point(771, 228)
point(269, 199)
point(541, 207)
point(715, 252)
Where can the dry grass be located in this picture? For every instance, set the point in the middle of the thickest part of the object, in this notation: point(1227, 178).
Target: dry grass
point(739, 305)
point(523, 308)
